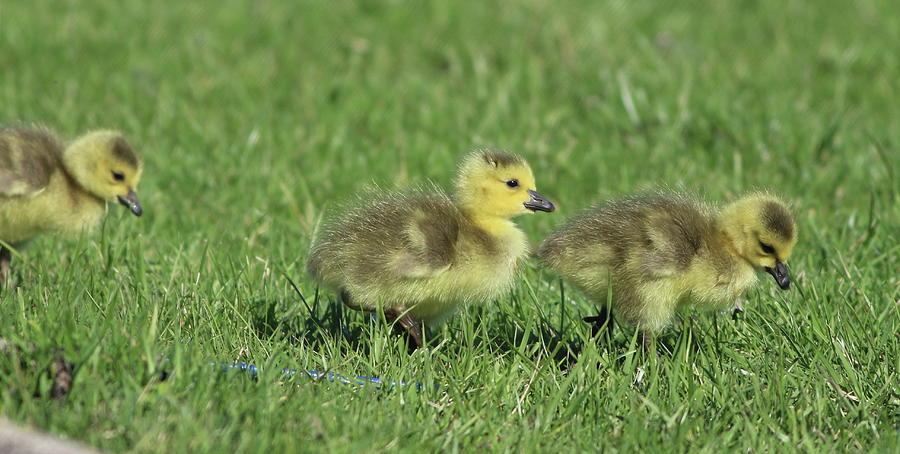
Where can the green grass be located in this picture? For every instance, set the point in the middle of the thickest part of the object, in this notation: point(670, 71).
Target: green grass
point(255, 117)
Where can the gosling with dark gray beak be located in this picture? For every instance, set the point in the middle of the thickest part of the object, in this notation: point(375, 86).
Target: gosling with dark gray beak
point(416, 255)
point(660, 252)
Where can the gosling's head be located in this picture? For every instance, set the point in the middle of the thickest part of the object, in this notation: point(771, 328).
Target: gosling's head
point(763, 232)
point(494, 183)
point(104, 164)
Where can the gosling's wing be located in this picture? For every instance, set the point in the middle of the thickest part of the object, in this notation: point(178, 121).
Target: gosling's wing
point(28, 158)
point(673, 233)
point(384, 237)
point(429, 237)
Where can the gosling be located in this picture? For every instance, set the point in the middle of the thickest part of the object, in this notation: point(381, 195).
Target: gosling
point(48, 187)
point(416, 255)
point(663, 252)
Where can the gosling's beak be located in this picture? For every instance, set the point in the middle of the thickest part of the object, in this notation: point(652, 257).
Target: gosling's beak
point(781, 275)
point(131, 201)
point(537, 202)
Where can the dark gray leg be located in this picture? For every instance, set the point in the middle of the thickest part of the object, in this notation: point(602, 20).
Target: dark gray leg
point(648, 342)
point(603, 322)
point(737, 309)
point(5, 259)
point(406, 323)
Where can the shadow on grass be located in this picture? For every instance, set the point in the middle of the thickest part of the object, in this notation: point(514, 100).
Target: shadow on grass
point(321, 325)
point(325, 324)
point(565, 346)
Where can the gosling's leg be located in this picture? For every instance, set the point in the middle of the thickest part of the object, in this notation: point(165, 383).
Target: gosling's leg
point(404, 322)
point(648, 341)
point(737, 309)
point(603, 322)
point(5, 259)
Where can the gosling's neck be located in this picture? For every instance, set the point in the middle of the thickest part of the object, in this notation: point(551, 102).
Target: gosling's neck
point(726, 237)
point(76, 190)
point(77, 170)
point(490, 223)
point(505, 239)
point(75, 208)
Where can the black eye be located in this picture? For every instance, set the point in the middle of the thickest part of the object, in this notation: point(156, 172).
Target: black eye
point(514, 183)
point(766, 248)
point(118, 176)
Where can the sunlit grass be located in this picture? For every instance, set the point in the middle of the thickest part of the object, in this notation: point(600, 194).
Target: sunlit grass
point(256, 117)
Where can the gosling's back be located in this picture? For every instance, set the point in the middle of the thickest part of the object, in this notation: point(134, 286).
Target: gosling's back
point(360, 245)
point(671, 226)
point(28, 157)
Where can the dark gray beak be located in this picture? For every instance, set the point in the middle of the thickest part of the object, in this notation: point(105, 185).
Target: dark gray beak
point(781, 275)
point(537, 202)
point(131, 201)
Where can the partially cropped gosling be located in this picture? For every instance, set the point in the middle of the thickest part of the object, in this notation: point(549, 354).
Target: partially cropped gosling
point(46, 186)
point(663, 252)
point(417, 254)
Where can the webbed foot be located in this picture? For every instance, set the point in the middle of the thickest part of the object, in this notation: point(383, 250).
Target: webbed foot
point(405, 323)
point(602, 322)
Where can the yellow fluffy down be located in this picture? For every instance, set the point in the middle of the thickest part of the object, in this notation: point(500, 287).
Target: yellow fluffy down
point(423, 251)
point(662, 252)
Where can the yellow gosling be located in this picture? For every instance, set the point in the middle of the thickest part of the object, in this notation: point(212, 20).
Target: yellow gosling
point(46, 186)
point(663, 252)
point(417, 254)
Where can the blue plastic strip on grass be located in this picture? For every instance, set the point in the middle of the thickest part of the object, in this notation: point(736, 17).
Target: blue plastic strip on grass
point(331, 377)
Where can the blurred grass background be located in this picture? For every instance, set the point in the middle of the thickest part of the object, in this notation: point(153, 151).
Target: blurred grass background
point(255, 117)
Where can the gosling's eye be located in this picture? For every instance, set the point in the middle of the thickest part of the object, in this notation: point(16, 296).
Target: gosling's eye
point(766, 248)
point(514, 183)
point(118, 176)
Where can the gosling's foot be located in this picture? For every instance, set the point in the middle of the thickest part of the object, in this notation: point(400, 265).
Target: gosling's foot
point(603, 322)
point(405, 323)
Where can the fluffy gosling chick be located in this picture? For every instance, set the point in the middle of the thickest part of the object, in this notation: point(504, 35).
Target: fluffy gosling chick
point(663, 252)
point(417, 254)
point(48, 187)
